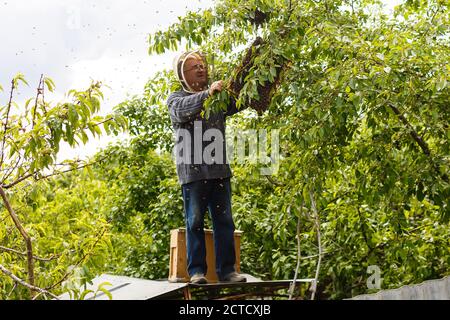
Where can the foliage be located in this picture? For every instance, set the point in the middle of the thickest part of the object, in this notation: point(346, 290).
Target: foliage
point(363, 117)
point(146, 205)
point(147, 115)
point(30, 141)
point(362, 112)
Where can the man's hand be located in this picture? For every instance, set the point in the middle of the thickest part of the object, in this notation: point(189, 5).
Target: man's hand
point(215, 87)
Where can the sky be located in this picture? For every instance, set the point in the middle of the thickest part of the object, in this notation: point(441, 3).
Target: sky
point(76, 41)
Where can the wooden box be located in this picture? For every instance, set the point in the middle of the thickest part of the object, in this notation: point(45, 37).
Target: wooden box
point(178, 258)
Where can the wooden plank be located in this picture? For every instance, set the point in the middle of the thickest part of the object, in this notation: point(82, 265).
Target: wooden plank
point(187, 293)
point(249, 284)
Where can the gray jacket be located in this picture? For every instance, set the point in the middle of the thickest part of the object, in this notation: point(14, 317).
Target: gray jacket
point(184, 109)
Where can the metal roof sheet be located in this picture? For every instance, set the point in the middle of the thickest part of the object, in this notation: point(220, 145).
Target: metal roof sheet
point(127, 288)
point(428, 290)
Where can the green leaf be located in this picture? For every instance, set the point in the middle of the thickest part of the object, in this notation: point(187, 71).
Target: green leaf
point(441, 84)
point(50, 84)
point(84, 293)
point(84, 137)
point(69, 134)
point(72, 115)
point(102, 288)
point(28, 102)
point(19, 77)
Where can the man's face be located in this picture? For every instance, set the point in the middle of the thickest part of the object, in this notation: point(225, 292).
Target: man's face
point(195, 73)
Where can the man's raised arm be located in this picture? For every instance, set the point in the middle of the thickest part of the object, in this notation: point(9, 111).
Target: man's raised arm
point(185, 108)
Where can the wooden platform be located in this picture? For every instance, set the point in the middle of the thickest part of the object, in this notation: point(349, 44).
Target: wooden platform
point(233, 291)
point(127, 288)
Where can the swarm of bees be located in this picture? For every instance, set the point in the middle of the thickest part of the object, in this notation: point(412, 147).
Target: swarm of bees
point(258, 18)
point(265, 91)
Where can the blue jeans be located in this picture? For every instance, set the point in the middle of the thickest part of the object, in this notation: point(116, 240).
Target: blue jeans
point(214, 195)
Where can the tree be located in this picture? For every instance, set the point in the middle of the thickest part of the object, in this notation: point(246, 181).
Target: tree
point(362, 109)
point(30, 140)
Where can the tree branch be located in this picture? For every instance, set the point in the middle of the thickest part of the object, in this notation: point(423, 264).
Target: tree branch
point(299, 256)
point(12, 290)
point(273, 181)
point(423, 145)
point(7, 186)
point(12, 184)
point(24, 235)
point(25, 284)
point(5, 127)
point(11, 170)
point(419, 140)
point(319, 242)
point(363, 229)
point(78, 262)
point(99, 123)
point(53, 257)
point(431, 22)
point(39, 92)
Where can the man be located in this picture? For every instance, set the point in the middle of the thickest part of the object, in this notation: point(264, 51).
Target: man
point(204, 176)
